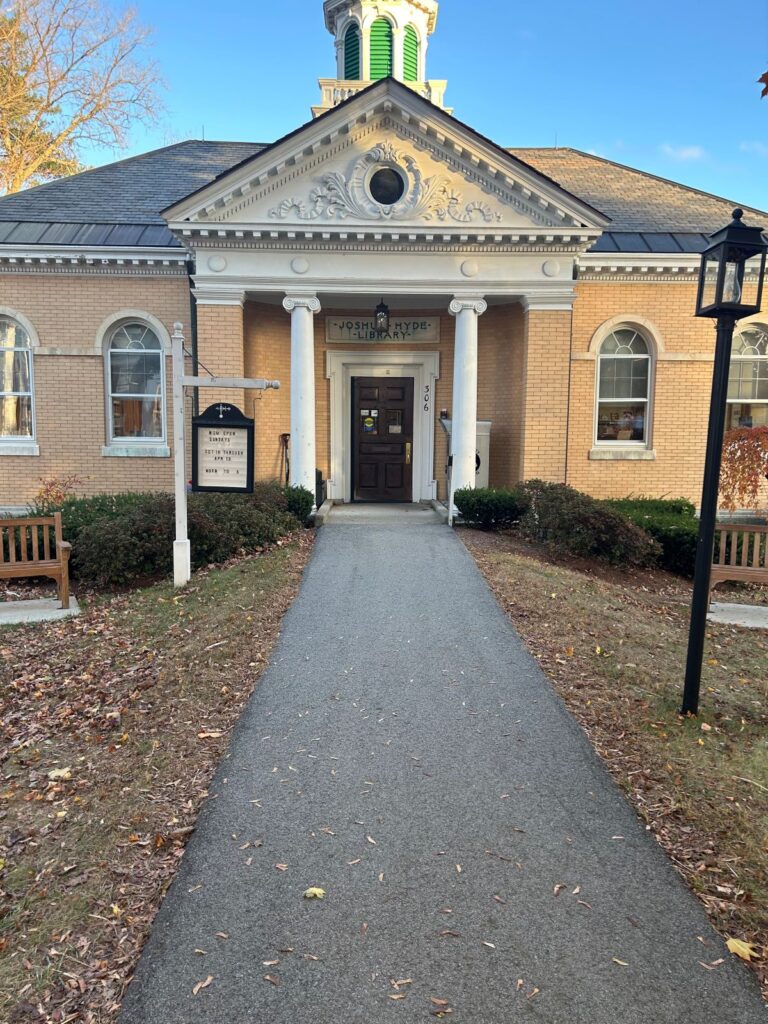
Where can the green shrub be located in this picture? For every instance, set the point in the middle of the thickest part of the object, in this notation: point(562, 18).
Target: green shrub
point(673, 524)
point(491, 509)
point(300, 502)
point(122, 538)
point(653, 507)
point(573, 523)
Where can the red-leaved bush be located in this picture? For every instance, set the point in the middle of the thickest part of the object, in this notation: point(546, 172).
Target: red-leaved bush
point(745, 468)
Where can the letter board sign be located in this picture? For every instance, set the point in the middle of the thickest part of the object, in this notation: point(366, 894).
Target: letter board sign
point(222, 450)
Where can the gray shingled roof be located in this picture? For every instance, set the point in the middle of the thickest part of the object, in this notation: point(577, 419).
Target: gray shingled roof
point(638, 203)
point(119, 204)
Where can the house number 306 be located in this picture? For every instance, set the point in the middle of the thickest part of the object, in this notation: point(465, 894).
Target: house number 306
point(427, 397)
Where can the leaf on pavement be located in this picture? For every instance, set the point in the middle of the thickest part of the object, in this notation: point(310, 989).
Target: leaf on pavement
point(314, 893)
point(202, 984)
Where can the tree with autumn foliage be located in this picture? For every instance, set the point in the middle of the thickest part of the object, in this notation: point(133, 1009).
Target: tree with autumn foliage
point(745, 468)
point(72, 73)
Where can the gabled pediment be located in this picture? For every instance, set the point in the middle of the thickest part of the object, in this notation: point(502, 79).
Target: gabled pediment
point(321, 176)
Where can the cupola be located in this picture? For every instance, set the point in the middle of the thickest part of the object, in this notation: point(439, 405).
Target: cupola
point(376, 39)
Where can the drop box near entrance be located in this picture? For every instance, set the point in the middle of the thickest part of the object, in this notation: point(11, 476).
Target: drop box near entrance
point(483, 442)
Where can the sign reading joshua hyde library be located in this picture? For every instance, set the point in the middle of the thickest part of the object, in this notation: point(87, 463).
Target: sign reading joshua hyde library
point(363, 329)
point(222, 450)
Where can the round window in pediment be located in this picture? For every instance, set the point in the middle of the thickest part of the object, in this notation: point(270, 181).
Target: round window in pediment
point(387, 186)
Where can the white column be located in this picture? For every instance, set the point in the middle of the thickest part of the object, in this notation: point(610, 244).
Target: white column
point(303, 457)
point(464, 412)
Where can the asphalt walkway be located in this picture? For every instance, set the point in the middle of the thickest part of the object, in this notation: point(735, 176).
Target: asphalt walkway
point(404, 753)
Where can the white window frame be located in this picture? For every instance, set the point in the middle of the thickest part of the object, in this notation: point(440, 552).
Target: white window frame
point(22, 444)
point(646, 443)
point(146, 445)
point(743, 328)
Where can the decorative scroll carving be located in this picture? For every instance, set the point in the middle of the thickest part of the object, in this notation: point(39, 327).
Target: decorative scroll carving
point(425, 198)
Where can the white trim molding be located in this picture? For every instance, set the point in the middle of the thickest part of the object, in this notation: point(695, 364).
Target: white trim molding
point(124, 315)
point(19, 447)
point(641, 324)
point(136, 451)
point(424, 368)
point(619, 454)
point(13, 314)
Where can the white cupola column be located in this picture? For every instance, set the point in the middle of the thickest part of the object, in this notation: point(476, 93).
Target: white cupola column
point(303, 456)
point(464, 414)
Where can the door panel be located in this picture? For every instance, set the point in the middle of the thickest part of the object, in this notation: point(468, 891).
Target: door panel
point(382, 438)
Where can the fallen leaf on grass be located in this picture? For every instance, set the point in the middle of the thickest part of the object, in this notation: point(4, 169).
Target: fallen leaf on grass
point(60, 775)
point(400, 996)
point(270, 963)
point(458, 869)
point(314, 894)
point(743, 949)
point(222, 935)
point(621, 963)
point(282, 867)
point(439, 1002)
point(499, 899)
point(447, 933)
point(490, 945)
point(371, 841)
point(202, 984)
point(535, 992)
point(559, 888)
point(215, 735)
point(272, 979)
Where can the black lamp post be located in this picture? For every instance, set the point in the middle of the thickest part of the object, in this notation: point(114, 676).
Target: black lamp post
point(381, 319)
point(728, 293)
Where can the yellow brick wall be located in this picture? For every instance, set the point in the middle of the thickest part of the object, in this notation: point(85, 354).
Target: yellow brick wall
point(536, 375)
point(545, 394)
point(67, 312)
point(680, 393)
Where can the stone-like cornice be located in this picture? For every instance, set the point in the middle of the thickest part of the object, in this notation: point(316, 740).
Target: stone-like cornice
point(76, 260)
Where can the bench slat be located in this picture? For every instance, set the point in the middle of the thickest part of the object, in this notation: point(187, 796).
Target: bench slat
point(46, 543)
point(35, 544)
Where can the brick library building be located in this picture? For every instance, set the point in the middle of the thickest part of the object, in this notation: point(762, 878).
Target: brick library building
point(419, 291)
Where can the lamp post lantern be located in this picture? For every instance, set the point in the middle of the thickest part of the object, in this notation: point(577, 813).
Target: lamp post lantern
point(381, 319)
point(730, 287)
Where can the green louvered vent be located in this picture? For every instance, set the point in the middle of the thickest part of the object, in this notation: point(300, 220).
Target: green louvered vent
point(352, 54)
point(411, 55)
point(381, 49)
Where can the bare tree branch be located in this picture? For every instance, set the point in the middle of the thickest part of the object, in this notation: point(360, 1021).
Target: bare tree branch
point(71, 72)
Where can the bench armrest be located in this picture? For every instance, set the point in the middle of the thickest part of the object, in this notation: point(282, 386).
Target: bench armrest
point(66, 550)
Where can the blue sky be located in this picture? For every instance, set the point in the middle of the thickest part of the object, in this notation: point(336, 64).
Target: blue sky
point(668, 86)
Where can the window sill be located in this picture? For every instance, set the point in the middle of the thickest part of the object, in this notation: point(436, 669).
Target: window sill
point(136, 451)
point(622, 455)
point(19, 448)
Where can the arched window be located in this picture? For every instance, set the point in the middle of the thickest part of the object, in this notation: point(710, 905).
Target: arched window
point(381, 49)
point(17, 419)
point(623, 388)
point(411, 55)
point(748, 381)
point(136, 384)
point(352, 53)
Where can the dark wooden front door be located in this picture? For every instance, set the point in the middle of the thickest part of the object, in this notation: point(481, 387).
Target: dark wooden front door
point(382, 438)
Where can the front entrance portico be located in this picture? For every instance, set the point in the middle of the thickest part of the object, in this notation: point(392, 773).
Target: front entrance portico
point(341, 368)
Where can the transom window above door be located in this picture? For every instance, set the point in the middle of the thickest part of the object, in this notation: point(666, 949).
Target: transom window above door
point(136, 384)
point(748, 381)
point(623, 388)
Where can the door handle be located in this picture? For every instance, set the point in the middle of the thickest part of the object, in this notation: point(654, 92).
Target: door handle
point(407, 453)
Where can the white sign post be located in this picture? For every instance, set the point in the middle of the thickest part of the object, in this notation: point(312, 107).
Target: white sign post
point(182, 550)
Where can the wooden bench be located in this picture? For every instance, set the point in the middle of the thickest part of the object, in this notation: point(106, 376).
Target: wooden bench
point(36, 547)
point(741, 555)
